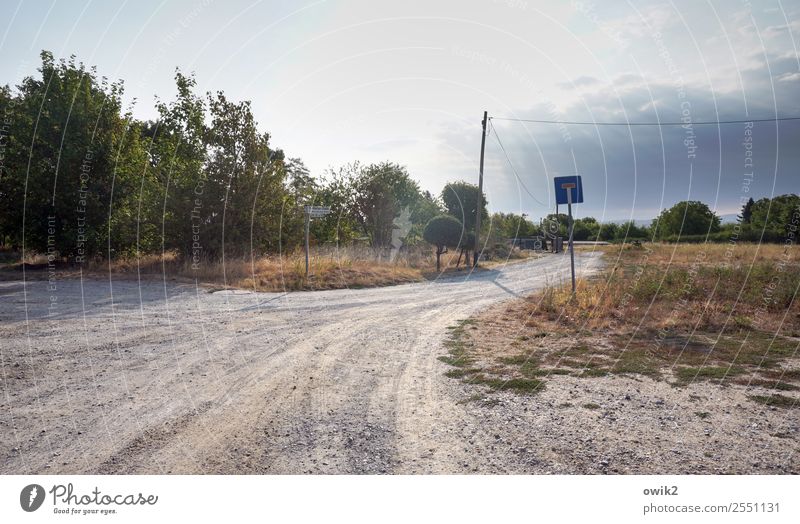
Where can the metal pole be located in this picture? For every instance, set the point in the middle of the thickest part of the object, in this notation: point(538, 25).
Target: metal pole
point(558, 231)
point(308, 222)
point(479, 205)
point(571, 252)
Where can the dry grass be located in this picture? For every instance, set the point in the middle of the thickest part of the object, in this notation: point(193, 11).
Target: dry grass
point(330, 268)
point(679, 313)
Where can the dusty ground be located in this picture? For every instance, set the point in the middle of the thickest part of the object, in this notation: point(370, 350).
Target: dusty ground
point(155, 378)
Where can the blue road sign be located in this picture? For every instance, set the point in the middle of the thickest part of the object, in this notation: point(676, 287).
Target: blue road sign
point(568, 183)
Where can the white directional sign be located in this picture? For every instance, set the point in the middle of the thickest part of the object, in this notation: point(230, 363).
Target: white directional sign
point(317, 211)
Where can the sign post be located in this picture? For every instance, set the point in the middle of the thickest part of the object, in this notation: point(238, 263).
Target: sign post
point(569, 190)
point(571, 250)
point(313, 212)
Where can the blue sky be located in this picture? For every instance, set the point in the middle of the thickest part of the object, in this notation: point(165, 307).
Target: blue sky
point(337, 81)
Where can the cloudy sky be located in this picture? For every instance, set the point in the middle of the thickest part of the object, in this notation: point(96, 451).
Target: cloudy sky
point(337, 81)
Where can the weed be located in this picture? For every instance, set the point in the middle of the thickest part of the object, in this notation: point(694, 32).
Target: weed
point(775, 400)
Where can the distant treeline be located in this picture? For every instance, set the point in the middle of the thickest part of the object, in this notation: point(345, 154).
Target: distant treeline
point(81, 178)
point(763, 220)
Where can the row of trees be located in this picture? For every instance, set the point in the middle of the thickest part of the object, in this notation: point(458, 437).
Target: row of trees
point(80, 177)
point(766, 219)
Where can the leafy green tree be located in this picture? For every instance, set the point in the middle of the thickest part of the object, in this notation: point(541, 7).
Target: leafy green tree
point(461, 201)
point(178, 157)
point(607, 231)
point(444, 231)
point(423, 209)
point(246, 181)
point(336, 189)
point(510, 225)
point(301, 190)
point(382, 191)
point(777, 215)
point(71, 164)
point(686, 218)
point(629, 230)
point(747, 211)
point(556, 224)
point(585, 229)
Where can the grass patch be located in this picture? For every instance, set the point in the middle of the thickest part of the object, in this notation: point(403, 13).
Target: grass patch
point(591, 405)
point(461, 372)
point(686, 375)
point(636, 362)
point(520, 385)
point(589, 373)
point(769, 384)
point(702, 414)
point(781, 401)
point(683, 313)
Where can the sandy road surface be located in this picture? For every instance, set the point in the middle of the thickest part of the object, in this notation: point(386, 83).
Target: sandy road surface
point(155, 378)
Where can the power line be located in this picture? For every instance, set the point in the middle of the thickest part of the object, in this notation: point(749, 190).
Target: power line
point(513, 169)
point(704, 123)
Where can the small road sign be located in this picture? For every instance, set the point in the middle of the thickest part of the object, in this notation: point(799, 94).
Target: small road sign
point(313, 212)
point(568, 186)
point(569, 190)
point(317, 211)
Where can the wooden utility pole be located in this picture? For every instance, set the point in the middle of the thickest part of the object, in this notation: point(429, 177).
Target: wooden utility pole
point(479, 205)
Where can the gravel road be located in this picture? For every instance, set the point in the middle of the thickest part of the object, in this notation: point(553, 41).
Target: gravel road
point(154, 377)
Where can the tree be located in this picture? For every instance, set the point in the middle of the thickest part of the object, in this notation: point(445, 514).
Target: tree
point(245, 181)
point(509, 226)
point(73, 158)
point(777, 215)
point(423, 209)
point(443, 231)
point(556, 224)
point(608, 231)
point(585, 229)
point(747, 211)
point(381, 191)
point(686, 218)
point(461, 201)
point(629, 230)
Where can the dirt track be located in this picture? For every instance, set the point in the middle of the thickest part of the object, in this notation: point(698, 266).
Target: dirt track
point(155, 378)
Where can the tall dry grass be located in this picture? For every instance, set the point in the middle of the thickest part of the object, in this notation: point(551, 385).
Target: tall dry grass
point(668, 286)
point(330, 268)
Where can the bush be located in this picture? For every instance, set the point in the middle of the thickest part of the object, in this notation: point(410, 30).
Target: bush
point(444, 231)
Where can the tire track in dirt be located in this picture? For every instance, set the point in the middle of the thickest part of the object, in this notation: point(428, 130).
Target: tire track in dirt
point(326, 382)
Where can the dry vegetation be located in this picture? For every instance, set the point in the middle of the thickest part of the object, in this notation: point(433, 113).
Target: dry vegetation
point(330, 268)
point(687, 313)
